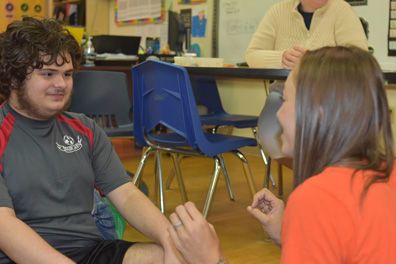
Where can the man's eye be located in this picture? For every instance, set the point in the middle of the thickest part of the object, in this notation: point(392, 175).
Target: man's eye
point(47, 74)
point(68, 75)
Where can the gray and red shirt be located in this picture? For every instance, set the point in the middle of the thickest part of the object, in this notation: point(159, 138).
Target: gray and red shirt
point(48, 170)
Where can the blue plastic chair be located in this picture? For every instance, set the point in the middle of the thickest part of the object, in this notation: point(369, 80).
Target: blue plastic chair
point(163, 97)
point(206, 93)
point(104, 97)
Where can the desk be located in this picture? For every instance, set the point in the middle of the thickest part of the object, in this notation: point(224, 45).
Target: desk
point(257, 73)
point(248, 73)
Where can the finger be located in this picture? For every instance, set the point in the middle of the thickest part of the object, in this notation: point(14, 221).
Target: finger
point(258, 197)
point(192, 210)
point(287, 64)
point(262, 195)
point(174, 236)
point(259, 215)
point(183, 215)
point(174, 218)
point(212, 228)
point(300, 49)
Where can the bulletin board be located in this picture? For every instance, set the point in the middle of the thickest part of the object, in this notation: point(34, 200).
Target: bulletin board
point(11, 10)
point(139, 11)
point(392, 29)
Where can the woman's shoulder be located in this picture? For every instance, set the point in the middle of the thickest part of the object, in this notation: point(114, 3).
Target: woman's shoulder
point(343, 183)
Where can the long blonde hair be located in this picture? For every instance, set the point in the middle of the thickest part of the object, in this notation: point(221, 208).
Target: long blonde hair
point(342, 114)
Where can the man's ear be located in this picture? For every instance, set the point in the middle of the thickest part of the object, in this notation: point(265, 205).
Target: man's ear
point(14, 85)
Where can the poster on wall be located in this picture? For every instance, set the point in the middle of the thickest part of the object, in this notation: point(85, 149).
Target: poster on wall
point(357, 2)
point(189, 2)
point(11, 10)
point(139, 11)
point(199, 22)
point(392, 29)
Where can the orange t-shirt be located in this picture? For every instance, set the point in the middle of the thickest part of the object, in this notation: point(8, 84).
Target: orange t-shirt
point(324, 222)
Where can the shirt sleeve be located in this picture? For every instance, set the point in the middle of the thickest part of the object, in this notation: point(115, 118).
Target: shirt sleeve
point(5, 199)
point(260, 52)
point(316, 228)
point(108, 170)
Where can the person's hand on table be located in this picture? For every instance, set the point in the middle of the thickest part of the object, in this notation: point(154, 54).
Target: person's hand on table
point(291, 58)
point(193, 236)
point(268, 209)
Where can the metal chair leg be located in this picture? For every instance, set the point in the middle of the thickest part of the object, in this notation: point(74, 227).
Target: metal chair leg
point(139, 170)
point(172, 173)
point(158, 181)
point(227, 179)
point(247, 170)
point(280, 181)
point(223, 165)
point(268, 173)
point(254, 129)
point(176, 166)
point(212, 186)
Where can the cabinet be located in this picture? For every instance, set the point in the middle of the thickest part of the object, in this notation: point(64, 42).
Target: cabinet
point(92, 14)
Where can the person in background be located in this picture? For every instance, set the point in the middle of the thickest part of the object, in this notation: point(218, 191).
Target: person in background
point(288, 29)
point(336, 126)
point(51, 160)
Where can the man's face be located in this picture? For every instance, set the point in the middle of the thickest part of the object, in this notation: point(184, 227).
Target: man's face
point(45, 93)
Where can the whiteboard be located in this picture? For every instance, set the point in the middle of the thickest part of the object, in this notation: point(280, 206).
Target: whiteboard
point(237, 22)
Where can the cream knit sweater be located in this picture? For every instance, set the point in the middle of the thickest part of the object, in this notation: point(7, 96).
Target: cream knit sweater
point(283, 27)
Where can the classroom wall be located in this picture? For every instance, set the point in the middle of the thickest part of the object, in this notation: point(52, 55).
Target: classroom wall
point(376, 13)
point(130, 30)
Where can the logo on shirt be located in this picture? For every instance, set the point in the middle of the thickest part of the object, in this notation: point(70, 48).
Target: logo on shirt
point(71, 146)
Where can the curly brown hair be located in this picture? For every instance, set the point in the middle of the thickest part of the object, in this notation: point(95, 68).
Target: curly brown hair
point(30, 44)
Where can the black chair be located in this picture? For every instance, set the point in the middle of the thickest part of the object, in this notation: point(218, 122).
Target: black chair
point(104, 97)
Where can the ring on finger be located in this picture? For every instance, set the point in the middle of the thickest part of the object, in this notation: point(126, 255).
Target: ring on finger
point(178, 224)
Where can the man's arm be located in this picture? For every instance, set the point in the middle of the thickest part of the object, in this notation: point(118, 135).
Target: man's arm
point(143, 215)
point(22, 244)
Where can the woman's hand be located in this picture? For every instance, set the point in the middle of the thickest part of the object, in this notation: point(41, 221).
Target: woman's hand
point(193, 236)
point(291, 58)
point(268, 209)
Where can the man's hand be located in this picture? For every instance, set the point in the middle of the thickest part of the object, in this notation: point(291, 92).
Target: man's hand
point(193, 236)
point(291, 58)
point(268, 209)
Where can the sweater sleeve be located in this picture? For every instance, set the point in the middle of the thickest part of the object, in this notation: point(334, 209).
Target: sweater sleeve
point(349, 29)
point(316, 228)
point(260, 52)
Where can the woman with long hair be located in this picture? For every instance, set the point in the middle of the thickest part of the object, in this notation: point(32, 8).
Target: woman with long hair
point(336, 126)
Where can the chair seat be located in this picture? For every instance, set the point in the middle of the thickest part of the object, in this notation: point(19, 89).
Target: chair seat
point(121, 131)
point(219, 143)
point(225, 119)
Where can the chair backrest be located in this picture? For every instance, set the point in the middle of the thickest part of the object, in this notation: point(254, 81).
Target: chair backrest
point(206, 93)
point(162, 94)
point(103, 96)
